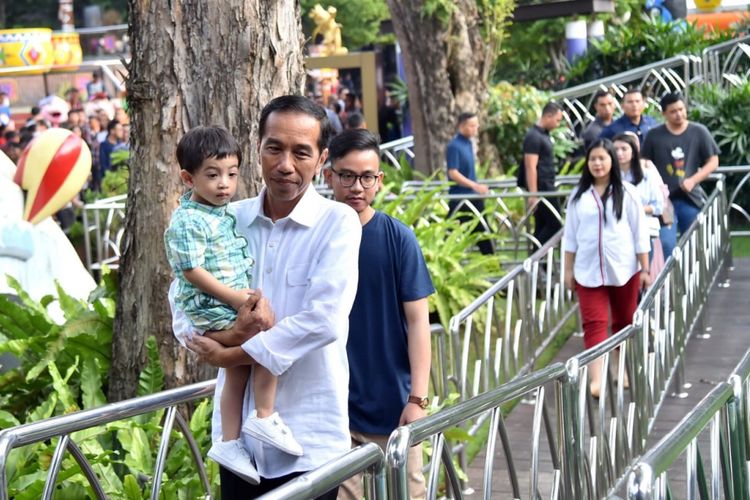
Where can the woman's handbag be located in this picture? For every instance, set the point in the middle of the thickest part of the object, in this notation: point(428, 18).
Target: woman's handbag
point(667, 216)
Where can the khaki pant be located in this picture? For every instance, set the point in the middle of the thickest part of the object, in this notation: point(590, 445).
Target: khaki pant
point(352, 488)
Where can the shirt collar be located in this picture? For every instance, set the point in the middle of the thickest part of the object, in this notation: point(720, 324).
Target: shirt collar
point(304, 213)
point(186, 202)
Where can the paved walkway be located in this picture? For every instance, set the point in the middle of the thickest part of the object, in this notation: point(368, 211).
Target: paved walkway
point(708, 361)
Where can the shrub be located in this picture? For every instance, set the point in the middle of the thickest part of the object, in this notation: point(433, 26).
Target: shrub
point(643, 40)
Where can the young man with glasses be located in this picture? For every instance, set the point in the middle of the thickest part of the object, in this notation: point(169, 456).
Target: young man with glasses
point(389, 328)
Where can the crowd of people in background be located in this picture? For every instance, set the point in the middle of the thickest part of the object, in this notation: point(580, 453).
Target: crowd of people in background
point(103, 123)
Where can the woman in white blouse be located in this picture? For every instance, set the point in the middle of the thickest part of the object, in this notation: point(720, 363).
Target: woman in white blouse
point(606, 249)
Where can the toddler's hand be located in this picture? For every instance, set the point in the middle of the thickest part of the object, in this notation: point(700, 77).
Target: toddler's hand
point(241, 297)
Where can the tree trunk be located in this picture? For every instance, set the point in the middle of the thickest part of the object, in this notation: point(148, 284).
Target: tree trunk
point(194, 63)
point(423, 41)
point(448, 63)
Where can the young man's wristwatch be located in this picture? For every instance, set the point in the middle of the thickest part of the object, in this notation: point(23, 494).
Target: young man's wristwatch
point(421, 402)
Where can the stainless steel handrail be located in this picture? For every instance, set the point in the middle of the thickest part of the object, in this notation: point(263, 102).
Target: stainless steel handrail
point(367, 459)
point(582, 471)
point(724, 408)
point(65, 425)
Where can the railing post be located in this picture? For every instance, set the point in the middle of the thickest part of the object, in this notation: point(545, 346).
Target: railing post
point(641, 482)
point(396, 454)
point(571, 450)
point(737, 439)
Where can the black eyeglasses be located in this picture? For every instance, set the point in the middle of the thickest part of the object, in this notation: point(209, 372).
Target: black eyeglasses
point(347, 179)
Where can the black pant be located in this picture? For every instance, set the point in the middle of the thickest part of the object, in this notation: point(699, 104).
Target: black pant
point(485, 246)
point(234, 487)
point(546, 224)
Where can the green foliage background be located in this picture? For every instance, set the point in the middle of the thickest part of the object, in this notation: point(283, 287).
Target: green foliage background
point(64, 369)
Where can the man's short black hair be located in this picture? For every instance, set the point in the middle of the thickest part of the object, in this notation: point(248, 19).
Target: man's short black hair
point(202, 143)
point(599, 94)
point(633, 90)
point(354, 120)
point(111, 125)
point(669, 99)
point(465, 116)
point(358, 139)
point(551, 108)
point(297, 104)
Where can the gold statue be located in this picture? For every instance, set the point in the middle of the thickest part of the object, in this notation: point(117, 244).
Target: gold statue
point(327, 27)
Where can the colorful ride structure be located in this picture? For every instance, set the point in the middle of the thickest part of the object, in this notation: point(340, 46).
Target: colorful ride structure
point(34, 51)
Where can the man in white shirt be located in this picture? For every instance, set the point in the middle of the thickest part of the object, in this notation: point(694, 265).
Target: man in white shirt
point(306, 250)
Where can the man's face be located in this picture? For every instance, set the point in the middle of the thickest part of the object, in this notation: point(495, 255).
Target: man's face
point(632, 105)
point(118, 132)
point(289, 155)
point(552, 120)
point(675, 114)
point(469, 128)
point(605, 107)
point(357, 168)
point(74, 118)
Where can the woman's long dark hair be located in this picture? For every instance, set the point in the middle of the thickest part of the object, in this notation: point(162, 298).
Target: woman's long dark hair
point(635, 160)
point(615, 179)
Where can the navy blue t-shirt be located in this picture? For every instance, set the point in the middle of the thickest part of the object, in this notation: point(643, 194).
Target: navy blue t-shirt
point(460, 155)
point(392, 271)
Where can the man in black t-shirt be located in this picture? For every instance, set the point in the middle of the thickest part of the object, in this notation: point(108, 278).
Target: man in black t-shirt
point(538, 171)
point(685, 154)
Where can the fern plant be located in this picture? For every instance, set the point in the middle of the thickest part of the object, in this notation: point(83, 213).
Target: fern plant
point(63, 369)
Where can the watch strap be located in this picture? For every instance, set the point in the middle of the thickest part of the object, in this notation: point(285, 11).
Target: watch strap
point(421, 402)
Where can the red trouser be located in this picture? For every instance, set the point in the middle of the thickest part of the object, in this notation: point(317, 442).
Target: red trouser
point(593, 302)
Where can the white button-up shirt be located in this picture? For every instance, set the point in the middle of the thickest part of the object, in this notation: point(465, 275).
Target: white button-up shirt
point(307, 267)
point(605, 251)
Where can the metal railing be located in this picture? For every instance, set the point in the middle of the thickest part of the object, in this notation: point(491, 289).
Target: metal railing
point(724, 411)
point(723, 62)
point(64, 427)
point(104, 221)
point(669, 75)
point(367, 458)
point(594, 443)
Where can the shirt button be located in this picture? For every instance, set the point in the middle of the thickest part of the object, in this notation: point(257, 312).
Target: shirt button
point(268, 270)
point(272, 244)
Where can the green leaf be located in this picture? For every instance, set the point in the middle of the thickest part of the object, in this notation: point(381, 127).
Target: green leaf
point(62, 390)
point(7, 420)
point(136, 443)
point(131, 488)
point(44, 410)
point(151, 379)
point(91, 384)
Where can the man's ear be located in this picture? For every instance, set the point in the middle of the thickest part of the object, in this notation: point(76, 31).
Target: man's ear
point(328, 176)
point(187, 178)
point(322, 160)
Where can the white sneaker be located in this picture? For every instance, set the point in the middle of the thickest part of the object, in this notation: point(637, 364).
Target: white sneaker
point(233, 456)
point(272, 430)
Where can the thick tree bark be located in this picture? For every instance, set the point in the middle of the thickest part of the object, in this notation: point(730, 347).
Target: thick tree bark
point(424, 47)
point(194, 63)
point(447, 68)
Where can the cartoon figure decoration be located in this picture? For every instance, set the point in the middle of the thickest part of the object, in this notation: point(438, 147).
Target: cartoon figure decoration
point(330, 31)
point(54, 109)
point(33, 248)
